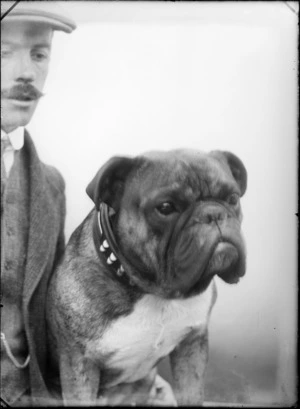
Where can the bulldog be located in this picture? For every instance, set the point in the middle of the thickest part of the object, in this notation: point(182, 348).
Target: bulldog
point(136, 283)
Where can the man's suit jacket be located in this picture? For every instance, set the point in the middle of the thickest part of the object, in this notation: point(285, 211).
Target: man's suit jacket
point(45, 246)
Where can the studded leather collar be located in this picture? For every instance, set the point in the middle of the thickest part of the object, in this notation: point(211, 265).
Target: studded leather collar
point(106, 244)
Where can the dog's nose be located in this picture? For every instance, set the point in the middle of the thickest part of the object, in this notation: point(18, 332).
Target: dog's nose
point(213, 213)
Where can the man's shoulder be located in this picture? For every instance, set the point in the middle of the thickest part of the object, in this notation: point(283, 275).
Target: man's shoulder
point(54, 177)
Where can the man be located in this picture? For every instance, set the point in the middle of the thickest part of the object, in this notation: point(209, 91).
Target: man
point(32, 201)
point(32, 209)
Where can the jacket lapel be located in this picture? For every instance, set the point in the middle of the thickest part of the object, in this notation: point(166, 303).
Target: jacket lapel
point(41, 221)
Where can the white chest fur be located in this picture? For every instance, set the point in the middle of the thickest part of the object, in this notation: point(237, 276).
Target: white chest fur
point(154, 328)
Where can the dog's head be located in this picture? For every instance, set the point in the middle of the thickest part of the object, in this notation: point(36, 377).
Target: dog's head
point(178, 217)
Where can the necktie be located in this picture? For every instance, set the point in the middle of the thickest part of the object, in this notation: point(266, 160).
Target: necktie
point(4, 144)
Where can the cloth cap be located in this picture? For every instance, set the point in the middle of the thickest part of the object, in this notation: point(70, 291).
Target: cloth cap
point(47, 12)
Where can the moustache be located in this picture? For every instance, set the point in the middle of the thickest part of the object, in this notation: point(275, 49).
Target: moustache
point(22, 92)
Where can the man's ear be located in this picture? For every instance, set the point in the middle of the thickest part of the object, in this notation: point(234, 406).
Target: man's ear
point(236, 166)
point(108, 183)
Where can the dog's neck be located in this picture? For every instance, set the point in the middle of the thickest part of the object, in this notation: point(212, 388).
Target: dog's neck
point(107, 247)
point(110, 255)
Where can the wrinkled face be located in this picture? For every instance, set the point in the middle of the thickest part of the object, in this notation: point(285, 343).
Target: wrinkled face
point(179, 222)
point(25, 55)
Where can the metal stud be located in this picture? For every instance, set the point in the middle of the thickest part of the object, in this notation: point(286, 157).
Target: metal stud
point(102, 249)
point(109, 261)
point(113, 257)
point(120, 272)
point(105, 244)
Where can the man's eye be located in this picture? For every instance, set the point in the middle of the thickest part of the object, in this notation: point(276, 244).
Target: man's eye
point(233, 199)
point(39, 56)
point(5, 53)
point(166, 208)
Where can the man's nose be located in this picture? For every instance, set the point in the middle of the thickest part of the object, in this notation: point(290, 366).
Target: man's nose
point(25, 69)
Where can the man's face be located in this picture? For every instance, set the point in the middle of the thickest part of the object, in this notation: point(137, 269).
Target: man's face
point(25, 59)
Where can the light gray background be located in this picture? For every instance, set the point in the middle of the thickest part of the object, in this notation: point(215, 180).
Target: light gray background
point(137, 76)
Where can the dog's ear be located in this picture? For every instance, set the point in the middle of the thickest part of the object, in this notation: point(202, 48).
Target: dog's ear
point(236, 166)
point(107, 185)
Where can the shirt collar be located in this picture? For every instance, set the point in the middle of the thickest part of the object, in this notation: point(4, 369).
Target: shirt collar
point(16, 137)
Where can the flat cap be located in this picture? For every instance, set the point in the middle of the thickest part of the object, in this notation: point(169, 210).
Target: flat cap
point(47, 12)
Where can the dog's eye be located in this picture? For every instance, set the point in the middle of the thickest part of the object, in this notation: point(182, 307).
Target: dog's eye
point(166, 208)
point(233, 199)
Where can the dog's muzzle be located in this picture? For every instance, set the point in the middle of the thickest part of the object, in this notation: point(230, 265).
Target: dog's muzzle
point(209, 243)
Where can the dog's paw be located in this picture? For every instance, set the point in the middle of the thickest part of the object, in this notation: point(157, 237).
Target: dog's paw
point(161, 394)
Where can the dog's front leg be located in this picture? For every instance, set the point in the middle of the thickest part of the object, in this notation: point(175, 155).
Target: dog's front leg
point(188, 363)
point(80, 379)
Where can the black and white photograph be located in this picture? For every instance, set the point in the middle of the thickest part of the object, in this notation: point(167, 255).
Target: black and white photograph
point(149, 203)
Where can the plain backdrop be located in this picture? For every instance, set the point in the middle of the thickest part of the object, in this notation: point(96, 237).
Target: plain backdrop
point(137, 76)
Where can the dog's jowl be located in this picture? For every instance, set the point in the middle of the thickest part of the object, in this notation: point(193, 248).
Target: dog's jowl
point(137, 279)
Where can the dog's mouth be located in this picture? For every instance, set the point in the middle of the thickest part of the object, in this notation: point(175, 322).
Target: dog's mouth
point(226, 260)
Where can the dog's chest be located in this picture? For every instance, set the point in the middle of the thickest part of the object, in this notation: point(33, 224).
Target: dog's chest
point(133, 344)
